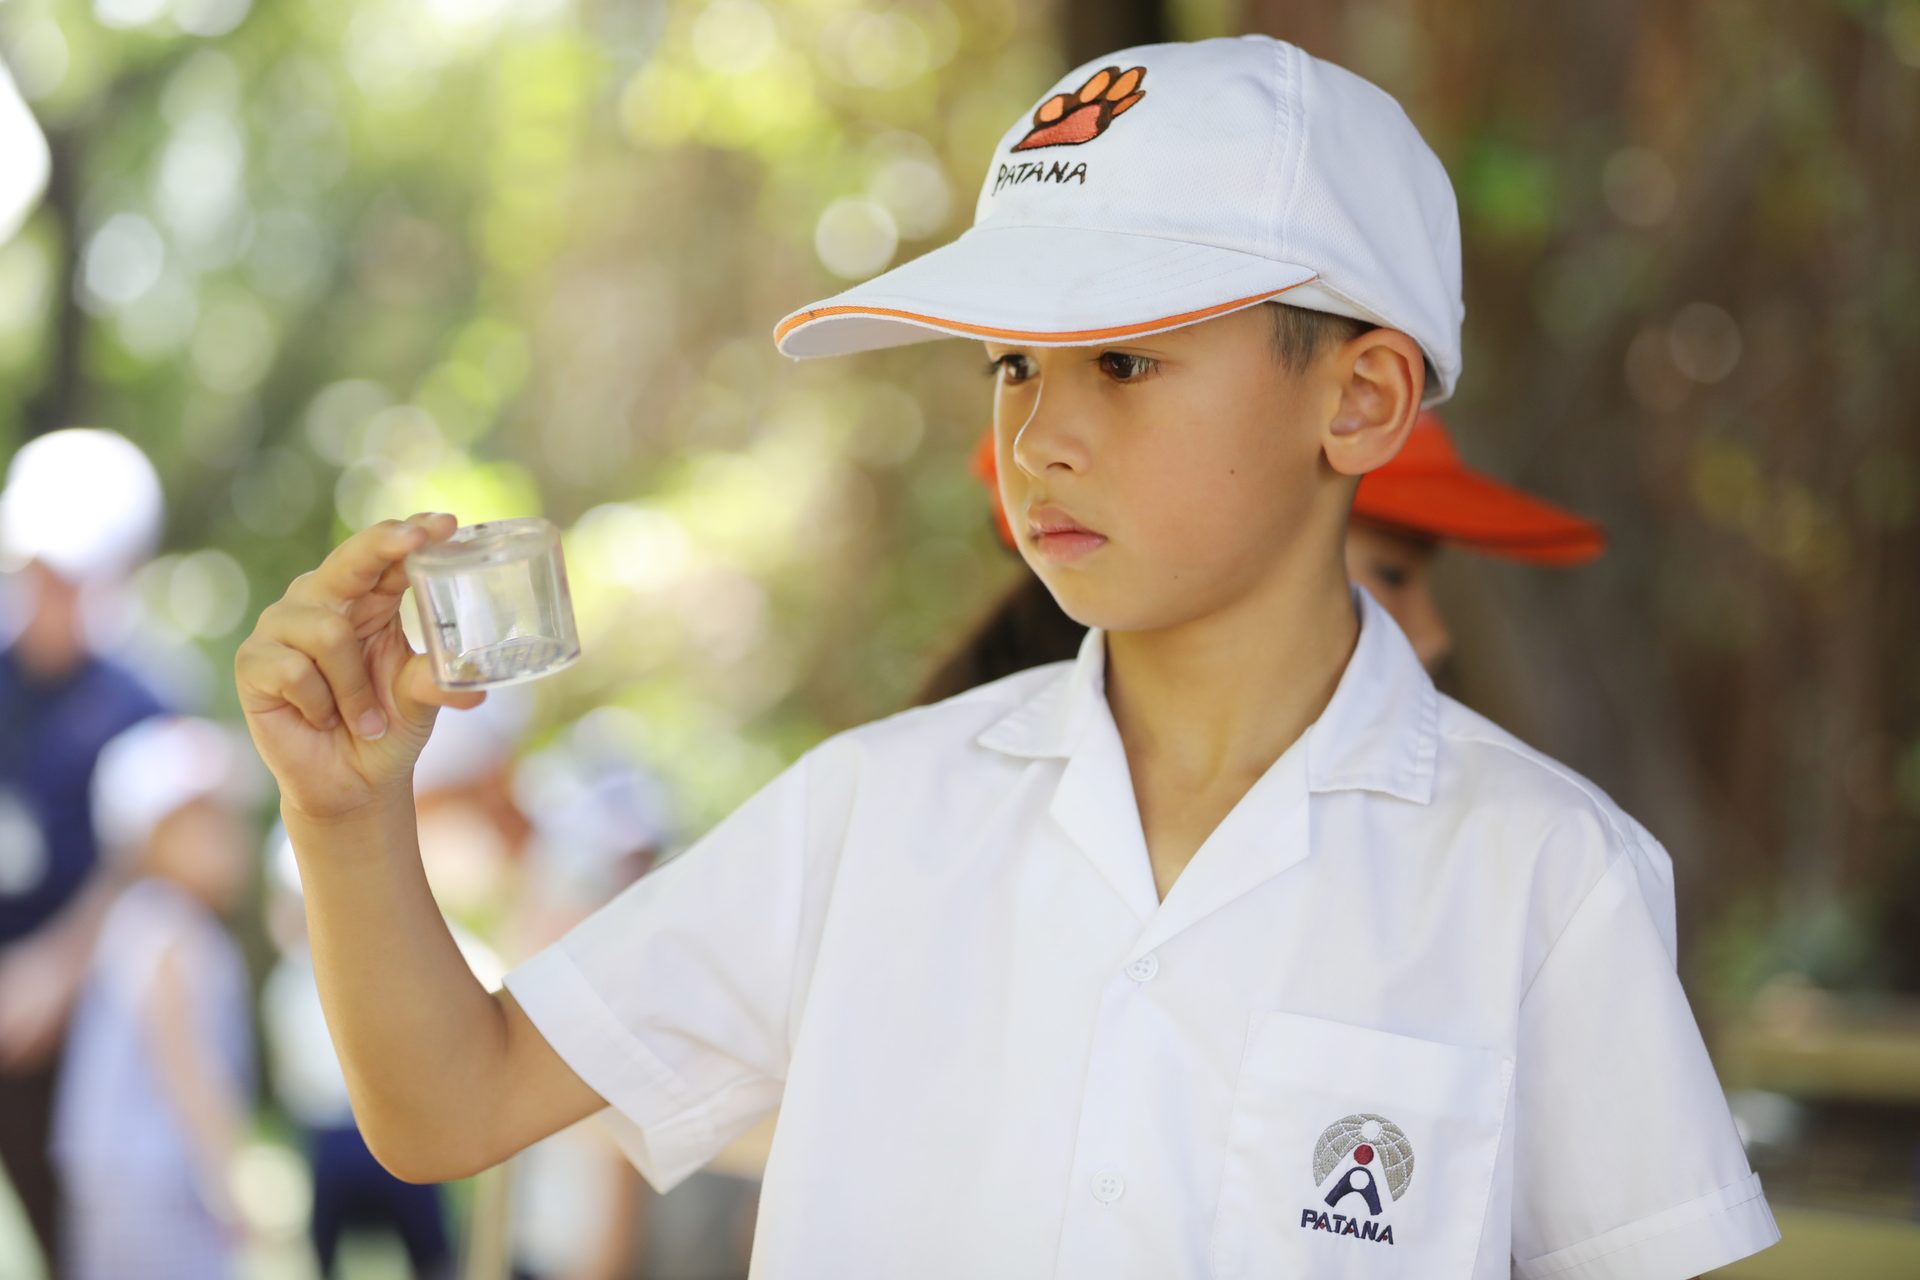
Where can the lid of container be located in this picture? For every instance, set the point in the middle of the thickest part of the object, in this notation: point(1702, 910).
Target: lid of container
point(489, 542)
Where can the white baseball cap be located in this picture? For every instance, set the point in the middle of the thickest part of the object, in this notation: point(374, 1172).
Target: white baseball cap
point(1166, 184)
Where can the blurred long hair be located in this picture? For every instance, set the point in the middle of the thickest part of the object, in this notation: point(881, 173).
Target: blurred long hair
point(1025, 628)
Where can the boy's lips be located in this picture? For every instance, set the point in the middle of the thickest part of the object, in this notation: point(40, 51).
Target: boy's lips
point(1047, 519)
point(1059, 536)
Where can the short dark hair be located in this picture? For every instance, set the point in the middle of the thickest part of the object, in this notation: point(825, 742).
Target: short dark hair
point(1299, 334)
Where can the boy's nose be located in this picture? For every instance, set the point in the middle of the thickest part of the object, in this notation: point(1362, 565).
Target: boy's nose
point(1047, 437)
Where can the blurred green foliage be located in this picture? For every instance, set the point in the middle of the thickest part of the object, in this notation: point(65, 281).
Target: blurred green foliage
point(332, 262)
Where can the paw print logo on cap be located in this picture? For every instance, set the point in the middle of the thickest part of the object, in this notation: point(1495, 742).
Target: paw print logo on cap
point(1069, 119)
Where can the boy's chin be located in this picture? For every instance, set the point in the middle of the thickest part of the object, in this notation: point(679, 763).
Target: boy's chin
point(1109, 606)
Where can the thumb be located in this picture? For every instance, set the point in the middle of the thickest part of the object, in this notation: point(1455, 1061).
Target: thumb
point(418, 697)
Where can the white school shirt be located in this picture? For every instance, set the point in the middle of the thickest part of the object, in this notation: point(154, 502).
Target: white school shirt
point(1410, 1011)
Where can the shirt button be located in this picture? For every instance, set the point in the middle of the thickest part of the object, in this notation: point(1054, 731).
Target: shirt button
point(1143, 969)
point(1107, 1187)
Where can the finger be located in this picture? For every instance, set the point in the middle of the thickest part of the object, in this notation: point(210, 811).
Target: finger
point(276, 671)
point(1126, 83)
point(395, 581)
point(1052, 109)
point(418, 696)
point(330, 641)
point(267, 672)
point(356, 566)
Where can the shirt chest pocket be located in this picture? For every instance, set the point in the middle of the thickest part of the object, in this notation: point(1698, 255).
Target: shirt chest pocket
point(1354, 1152)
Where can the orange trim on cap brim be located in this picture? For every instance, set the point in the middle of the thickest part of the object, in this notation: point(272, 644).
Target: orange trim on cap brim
point(793, 322)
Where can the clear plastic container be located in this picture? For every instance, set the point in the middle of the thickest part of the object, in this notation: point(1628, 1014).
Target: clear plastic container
point(494, 605)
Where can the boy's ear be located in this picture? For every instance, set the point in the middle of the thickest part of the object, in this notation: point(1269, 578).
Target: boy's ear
point(1380, 376)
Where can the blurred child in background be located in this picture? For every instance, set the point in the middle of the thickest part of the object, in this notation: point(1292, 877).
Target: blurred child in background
point(155, 1090)
point(580, 1210)
point(81, 510)
point(472, 833)
point(599, 823)
point(1426, 499)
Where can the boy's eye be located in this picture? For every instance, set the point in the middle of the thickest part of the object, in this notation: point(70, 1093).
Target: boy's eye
point(1014, 367)
point(1123, 366)
point(1392, 575)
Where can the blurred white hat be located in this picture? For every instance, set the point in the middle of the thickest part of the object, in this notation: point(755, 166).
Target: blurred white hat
point(25, 160)
point(470, 743)
point(159, 765)
point(591, 805)
point(83, 501)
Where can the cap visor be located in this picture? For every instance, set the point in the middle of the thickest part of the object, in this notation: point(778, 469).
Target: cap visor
point(1047, 286)
point(1480, 514)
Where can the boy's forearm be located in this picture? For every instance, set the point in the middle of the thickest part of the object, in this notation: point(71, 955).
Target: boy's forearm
point(419, 1039)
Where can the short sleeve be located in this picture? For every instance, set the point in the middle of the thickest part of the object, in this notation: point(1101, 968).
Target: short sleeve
point(673, 1000)
point(1653, 867)
point(1627, 1164)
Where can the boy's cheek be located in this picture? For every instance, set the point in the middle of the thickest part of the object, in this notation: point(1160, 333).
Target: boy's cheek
point(1013, 501)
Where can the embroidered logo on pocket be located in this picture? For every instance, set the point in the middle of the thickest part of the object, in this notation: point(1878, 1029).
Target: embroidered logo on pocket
point(1363, 1150)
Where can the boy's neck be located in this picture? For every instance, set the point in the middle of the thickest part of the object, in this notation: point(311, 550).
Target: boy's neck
point(1223, 696)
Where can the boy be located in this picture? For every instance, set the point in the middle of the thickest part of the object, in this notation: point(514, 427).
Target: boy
point(1230, 948)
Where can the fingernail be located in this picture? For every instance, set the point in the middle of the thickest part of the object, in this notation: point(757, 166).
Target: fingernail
point(372, 725)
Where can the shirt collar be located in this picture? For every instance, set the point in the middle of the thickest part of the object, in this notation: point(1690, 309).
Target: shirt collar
point(1378, 731)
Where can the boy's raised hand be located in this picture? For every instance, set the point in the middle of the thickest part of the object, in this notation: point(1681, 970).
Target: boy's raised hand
point(338, 703)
